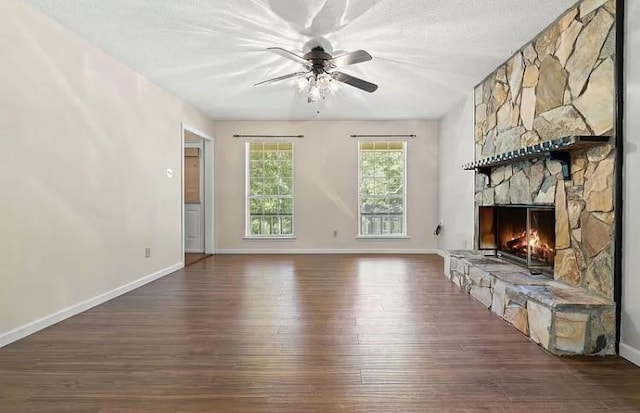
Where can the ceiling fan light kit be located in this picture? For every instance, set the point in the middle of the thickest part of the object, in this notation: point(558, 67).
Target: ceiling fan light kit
point(316, 86)
point(320, 74)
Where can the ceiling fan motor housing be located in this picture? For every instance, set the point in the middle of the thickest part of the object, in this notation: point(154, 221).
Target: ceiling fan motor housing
point(317, 56)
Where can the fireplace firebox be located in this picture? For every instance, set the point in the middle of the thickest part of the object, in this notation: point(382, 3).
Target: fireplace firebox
point(522, 233)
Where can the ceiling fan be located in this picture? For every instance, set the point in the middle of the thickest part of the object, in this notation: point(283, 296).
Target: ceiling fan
point(319, 71)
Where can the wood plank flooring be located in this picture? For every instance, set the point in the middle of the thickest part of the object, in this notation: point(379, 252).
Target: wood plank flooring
point(305, 333)
point(193, 257)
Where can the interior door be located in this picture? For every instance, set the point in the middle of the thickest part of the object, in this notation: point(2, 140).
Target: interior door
point(193, 198)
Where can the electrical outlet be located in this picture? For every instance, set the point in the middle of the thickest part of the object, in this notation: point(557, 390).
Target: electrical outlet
point(335, 233)
point(147, 252)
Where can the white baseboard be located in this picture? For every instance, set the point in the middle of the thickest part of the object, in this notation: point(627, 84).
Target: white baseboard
point(325, 251)
point(441, 253)
point(47, 321)
point(630, 353)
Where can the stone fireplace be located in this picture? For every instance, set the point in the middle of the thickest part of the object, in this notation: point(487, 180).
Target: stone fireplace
point(551, 212)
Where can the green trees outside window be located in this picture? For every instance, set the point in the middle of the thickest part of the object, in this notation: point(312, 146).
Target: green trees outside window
point(382, 188)
point(269, 189)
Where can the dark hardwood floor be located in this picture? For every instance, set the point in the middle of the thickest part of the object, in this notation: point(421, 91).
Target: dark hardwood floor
point(192, 257)
point(313, 333)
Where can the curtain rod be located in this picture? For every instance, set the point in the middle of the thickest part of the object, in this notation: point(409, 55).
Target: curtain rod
point(268, 136)
point(383, 136)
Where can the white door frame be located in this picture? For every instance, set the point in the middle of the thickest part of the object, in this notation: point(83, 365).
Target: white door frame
point(208, 190)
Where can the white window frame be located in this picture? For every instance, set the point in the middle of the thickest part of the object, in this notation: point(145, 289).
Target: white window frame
point(247, 184)
point(404, 233)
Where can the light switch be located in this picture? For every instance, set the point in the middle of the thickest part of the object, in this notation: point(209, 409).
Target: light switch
point(169, 173)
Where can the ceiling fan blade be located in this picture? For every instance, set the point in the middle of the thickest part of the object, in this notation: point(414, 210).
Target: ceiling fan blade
point(289, 55)
point(354, 81)
point(279, 78)
point(351, 58)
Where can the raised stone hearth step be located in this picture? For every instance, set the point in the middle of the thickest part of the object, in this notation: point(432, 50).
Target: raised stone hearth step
point(563, 319)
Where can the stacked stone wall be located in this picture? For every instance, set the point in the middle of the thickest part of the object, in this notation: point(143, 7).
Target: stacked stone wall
point(560, 84)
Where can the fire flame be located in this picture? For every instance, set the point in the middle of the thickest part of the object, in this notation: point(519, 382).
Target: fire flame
point(540, 251)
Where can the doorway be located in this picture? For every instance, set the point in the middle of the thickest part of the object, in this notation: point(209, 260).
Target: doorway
point(197, 195)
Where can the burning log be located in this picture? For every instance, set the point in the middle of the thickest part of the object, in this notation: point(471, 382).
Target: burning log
point(517, 243)
point(540, 251)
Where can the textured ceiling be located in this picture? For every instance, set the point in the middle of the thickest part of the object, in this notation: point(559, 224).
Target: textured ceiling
point(427, 54)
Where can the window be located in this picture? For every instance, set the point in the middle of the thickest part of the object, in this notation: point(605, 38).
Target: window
point(269, 189)
point(382, 194)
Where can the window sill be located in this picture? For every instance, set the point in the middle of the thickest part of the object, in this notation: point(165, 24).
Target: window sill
point(383, 237)
point(269, 237)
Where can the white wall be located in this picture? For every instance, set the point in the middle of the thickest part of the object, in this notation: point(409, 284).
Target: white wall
point(455, 185)
point(630, 334)
point(84, 147)
point(326, 178)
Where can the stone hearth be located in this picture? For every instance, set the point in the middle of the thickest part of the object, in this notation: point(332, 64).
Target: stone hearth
point(563, 319)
